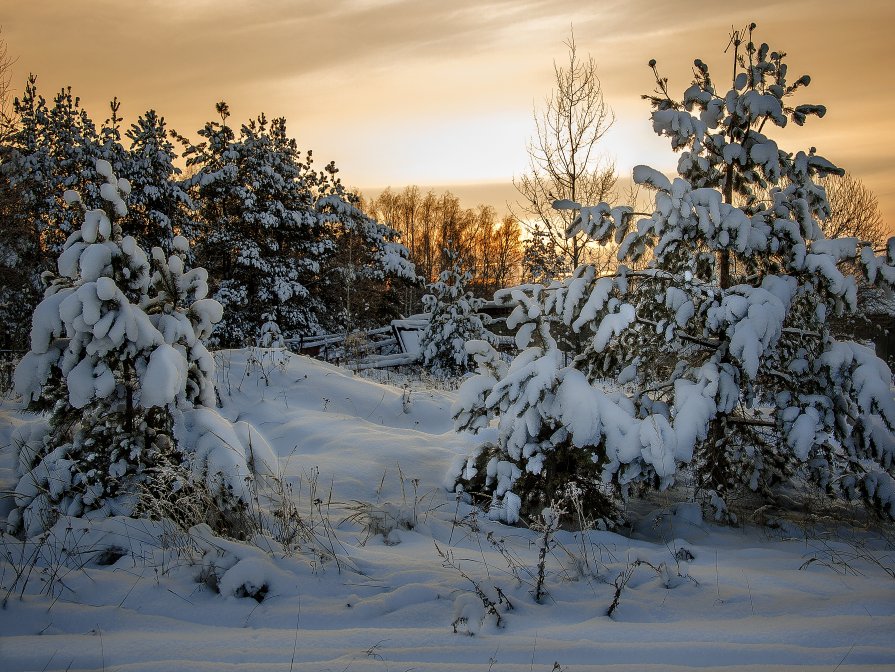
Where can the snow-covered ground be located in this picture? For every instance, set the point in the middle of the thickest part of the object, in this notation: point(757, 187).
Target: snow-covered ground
point(386, 560)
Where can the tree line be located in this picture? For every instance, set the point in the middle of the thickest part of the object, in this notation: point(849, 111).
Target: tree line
point(283, 240)
point(435, 227)
point(286, 242)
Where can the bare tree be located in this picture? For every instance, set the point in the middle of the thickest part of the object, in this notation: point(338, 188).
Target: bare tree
point(854, 210)
point(428, 222)
point(855, 213)
point(507, 252)
point(564, 162)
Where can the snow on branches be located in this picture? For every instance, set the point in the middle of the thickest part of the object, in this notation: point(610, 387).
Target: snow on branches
point(118, 363)
point(717, 349)
point(281, 238)
point(453, 321)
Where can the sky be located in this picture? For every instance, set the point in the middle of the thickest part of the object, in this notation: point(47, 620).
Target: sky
point(442, 94)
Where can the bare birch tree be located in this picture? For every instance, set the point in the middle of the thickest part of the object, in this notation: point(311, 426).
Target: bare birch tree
point(564, 160)
point(854, 210)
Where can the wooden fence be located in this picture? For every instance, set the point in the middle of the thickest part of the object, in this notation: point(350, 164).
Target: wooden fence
point(372, 348)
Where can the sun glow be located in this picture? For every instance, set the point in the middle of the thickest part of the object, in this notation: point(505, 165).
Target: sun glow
point(443, 93)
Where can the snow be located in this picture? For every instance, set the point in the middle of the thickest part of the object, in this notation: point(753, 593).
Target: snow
point(577, 409)
point(566, 204)
point(651, 176)
point(104, 168)
point(747, 599)
point(81, 389)
point(658, 440)
point(165, 376)
point(613, 325)
point(595, 302)
point(753, 319)
point(695, 407)
point(801, 436)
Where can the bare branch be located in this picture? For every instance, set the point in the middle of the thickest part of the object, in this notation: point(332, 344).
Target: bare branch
point(564, 162)
point(854, 210)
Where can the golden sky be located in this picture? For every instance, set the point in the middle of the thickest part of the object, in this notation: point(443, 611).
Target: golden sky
point(441, 92)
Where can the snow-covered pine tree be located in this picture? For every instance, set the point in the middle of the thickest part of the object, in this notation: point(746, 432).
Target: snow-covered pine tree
point(271, 336)
point(278, 235)
point(453, 320)
point(723, 337)
point(117, 363)
point(260, 234)
point(88, 337)
point(29, 204)
point(541, 261)
point(271, 349)
point(157, 201)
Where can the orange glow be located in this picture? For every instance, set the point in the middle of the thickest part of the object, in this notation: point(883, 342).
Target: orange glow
point(400, 92)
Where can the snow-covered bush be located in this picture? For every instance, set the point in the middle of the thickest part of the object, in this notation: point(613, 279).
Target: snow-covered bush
point(453, 321)
point(723, 337)
point(118, 364)
point(271, 336)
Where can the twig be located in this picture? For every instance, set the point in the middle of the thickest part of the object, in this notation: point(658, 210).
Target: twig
point(295, 640)
point(847, 654)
